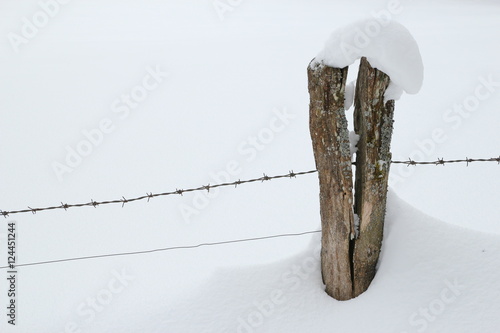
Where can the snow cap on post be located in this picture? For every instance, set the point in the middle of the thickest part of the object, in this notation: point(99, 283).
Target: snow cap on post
point(388, 46)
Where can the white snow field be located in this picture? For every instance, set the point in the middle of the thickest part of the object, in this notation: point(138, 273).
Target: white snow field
point(104, 99)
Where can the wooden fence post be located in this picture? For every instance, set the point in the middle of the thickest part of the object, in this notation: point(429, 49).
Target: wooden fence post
point(373, 119)
point(330, 138)
point(348, 258)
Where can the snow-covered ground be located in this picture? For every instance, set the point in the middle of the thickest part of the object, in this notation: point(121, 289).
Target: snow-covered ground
point(220, 92)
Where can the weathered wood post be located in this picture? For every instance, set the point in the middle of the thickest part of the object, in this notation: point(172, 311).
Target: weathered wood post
point(330, 138)
point(348, 261)
point(373, 119)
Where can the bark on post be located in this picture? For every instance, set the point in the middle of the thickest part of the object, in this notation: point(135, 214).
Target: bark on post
point(330, 138)
point(373, 119)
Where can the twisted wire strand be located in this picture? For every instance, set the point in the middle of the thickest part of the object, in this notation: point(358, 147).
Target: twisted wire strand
point(208, 187)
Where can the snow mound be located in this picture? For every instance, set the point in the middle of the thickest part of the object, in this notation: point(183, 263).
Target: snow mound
point(388, 46)
point(432, 277)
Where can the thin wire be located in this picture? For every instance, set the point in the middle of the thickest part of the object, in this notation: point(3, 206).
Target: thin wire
point(208, 187)
point(163, 249)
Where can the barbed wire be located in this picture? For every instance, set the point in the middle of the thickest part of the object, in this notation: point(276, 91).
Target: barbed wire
point(208, 187)
point(441, 161)
point(149, 196)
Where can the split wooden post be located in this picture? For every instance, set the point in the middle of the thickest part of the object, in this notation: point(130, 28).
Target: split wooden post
point(349, 258)
point(373, 119)
point(330, 138)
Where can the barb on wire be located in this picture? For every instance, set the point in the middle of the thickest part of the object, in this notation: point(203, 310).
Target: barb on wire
point(441, 161)
point(151, 195)
point(291, 174)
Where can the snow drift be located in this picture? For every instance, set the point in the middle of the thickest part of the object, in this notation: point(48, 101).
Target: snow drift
point(432, 277)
